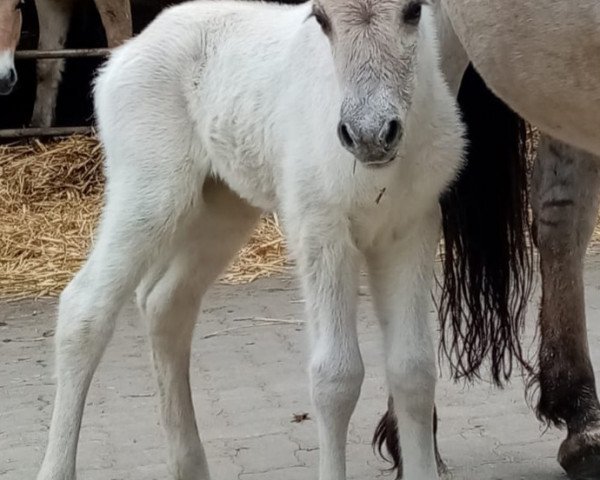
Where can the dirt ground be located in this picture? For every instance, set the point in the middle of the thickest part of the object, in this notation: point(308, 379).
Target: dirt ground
point(249, 380)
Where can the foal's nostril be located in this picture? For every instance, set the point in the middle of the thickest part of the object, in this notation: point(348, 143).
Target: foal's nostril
point(12, 76)
point(391, 133)
point(345, 137)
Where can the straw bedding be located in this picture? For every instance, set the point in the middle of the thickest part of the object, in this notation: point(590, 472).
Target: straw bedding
point(50, 200)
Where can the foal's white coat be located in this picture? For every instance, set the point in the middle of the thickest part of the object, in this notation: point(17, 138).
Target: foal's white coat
point(204, 130)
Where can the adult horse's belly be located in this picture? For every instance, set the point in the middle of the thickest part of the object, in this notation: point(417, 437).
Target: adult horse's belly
point(542, 57)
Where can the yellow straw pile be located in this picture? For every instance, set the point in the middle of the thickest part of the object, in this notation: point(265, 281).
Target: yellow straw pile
point(50, 200)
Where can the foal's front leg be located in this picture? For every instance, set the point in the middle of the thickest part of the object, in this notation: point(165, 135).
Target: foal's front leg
point(328, 264)
point(401, 269)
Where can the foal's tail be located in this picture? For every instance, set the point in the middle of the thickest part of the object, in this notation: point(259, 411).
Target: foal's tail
point(487, 253)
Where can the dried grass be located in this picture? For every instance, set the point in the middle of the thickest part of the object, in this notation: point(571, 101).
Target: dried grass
point(50, 200)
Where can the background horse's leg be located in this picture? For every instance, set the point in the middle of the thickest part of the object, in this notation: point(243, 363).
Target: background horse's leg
point(116, 18)
point(565, 197)
point(54, 17)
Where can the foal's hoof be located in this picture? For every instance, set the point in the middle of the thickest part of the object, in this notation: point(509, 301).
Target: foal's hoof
point(579, 455)
point(443, 471)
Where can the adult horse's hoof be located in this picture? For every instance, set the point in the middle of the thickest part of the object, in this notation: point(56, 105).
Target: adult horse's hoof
point(579, 455)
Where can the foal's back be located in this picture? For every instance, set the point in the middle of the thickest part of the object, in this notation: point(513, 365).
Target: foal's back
point(187, 63)
point(208, 77)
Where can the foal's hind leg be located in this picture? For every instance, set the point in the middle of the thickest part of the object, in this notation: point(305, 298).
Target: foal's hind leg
point(134, 230)
point(401, 272)
point(169, 297)
point(565, 196)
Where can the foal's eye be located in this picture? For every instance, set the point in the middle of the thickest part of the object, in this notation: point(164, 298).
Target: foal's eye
point(20, 5)
point(412, 13)
point(322, 20)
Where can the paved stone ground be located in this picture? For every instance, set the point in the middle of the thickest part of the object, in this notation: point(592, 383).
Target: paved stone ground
point(248, 381)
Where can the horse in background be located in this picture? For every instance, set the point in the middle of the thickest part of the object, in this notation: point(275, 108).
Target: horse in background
point(11, 20)
point(54, 17)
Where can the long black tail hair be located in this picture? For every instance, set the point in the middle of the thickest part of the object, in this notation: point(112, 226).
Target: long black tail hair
point(487, 253)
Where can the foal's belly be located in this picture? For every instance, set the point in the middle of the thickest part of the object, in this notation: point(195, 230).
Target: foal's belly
point(244, 167)
point(239, 155)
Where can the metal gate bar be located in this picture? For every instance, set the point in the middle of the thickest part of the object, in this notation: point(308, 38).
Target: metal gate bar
point(18, 133)
point(71, 53)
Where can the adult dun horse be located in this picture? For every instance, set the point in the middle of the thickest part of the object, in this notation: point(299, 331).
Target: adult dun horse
point(542, 58)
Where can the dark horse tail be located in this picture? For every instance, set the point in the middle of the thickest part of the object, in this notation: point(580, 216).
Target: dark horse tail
point(487, 255)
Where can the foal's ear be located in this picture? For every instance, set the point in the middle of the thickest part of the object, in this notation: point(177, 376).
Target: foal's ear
point(317, 13)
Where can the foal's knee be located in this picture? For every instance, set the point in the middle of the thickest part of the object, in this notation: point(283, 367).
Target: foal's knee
point(85, 320)
point(412, 383)
point(336, 382)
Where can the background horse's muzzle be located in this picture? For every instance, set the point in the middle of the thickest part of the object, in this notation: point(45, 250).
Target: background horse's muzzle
point(8, 81)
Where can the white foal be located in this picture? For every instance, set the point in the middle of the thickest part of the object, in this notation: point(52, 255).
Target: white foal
point(221, 110)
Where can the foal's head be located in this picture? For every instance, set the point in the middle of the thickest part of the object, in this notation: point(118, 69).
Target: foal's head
point(374, 45)
point(10, 30)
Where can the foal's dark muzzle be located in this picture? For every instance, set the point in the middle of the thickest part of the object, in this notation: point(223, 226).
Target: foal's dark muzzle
point(374, 144)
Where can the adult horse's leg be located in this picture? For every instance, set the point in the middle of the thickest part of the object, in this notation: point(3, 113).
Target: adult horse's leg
point(401, 273)
point(116, 19)
point(565, 197)
point(169, 298)
point(54, 17)
point(328, 263)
